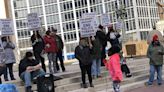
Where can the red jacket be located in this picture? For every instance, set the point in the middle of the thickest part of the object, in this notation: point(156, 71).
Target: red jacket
point(51, 41)
point(113, 65)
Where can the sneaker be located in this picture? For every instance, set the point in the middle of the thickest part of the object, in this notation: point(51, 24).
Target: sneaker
point(13, 79)
point(159, 84)
point(6, 79)
point(93, 77)
point(129, 75)
point(84, 85)
point(99, 76)
point(28, 89)
point(148, 84)
point(91, 85)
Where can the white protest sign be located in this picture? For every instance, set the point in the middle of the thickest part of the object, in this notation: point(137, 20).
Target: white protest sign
point(94, 17)
point(34, 21)
point(87, 27)
point(6, 27)
point(119, 26)
point(1, 47)
point(105, 20)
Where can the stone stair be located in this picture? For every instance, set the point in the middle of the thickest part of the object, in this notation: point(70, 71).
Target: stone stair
point(71, 81)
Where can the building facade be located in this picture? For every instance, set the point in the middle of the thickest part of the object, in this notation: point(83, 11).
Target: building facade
point(64, 15)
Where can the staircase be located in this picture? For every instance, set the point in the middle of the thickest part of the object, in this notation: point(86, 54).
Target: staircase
point(71, 81)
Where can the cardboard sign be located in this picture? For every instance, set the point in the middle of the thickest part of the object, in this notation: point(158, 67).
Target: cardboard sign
point(34, 21)
point(94, 17)
point(105, 20)
point(6, 27)
point(87, 27)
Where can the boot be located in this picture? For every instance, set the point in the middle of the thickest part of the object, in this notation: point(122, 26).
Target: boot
point(28, 89)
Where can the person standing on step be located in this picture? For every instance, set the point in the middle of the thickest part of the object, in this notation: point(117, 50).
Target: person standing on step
point(96, 57)
point(38, 48)
point(9, 57)
point(83, 54)
point(114, 67)
point(113, 37)
point(2, 65)
point(29, 68)
point(101, 35)
point(51, 50)
point(60, 46)
point(155, 53)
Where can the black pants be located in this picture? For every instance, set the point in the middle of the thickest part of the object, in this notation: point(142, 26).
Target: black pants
point(125, 69)
point(84, 69)
point(39, 58)
point(10, 68)
point(1, 72)
point(103, 55)
point(60, 56)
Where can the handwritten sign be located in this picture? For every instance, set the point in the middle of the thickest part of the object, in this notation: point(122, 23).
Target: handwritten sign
point(6, 27)
point(34, 21)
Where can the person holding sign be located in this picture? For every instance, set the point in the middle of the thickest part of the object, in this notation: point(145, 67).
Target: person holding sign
point(10, 57)
point(51, 50)
point(38, 48)
point(83, 54)
point(113, 36)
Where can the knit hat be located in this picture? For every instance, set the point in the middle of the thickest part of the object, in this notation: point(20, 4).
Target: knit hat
point(155, 37)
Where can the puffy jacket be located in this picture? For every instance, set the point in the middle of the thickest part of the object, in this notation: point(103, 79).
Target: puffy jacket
point(113, 65)
point(83, 54)
point(51, 41)
point(96, 49)
point(9, 53)
point(153, 54)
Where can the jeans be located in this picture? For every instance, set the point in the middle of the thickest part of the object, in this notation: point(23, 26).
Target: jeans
point(40, 59)
point(10, 68)
point(52, 62)
point(60, 56)
point(96, 64)
point(84, 69)
point(28, 76)
point(158, 69)
point(116, 86)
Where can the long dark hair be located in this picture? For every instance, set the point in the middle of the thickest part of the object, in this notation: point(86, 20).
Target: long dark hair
point(113, 50)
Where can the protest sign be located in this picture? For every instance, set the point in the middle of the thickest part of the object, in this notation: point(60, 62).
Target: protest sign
point(34, 21)
point(105, 20)
point(6, 27)
point(87, 27)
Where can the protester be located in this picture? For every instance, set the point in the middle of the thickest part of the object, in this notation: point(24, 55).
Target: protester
point(9, 57)
point(83, 54)
point(60, 46)
point(124, 67)
point(101, 35)
point(155, 53)
point(2, 64)
point(113, 37)
point(96, 57)
point(51, 50)
point(114, 67)
point(38, 48)
point(29, 68)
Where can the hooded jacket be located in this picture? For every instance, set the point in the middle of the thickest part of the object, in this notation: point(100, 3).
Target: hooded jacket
point(51, 41)
point(114, 67)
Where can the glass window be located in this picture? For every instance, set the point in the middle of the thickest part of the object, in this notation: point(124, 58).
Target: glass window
point(35, 2)
point(50, 1)
point(19, 4)
point(38, 10)
point(21, 13)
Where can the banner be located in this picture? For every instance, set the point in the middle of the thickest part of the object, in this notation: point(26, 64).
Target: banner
point(6, 27)
point(105, 20)
point(34, 21)
point(87, 27)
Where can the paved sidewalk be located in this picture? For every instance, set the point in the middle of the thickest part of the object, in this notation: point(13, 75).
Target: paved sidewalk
point(153, 88)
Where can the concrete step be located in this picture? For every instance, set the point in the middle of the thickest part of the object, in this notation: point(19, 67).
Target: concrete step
point(127, 84)
point(76, 81)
